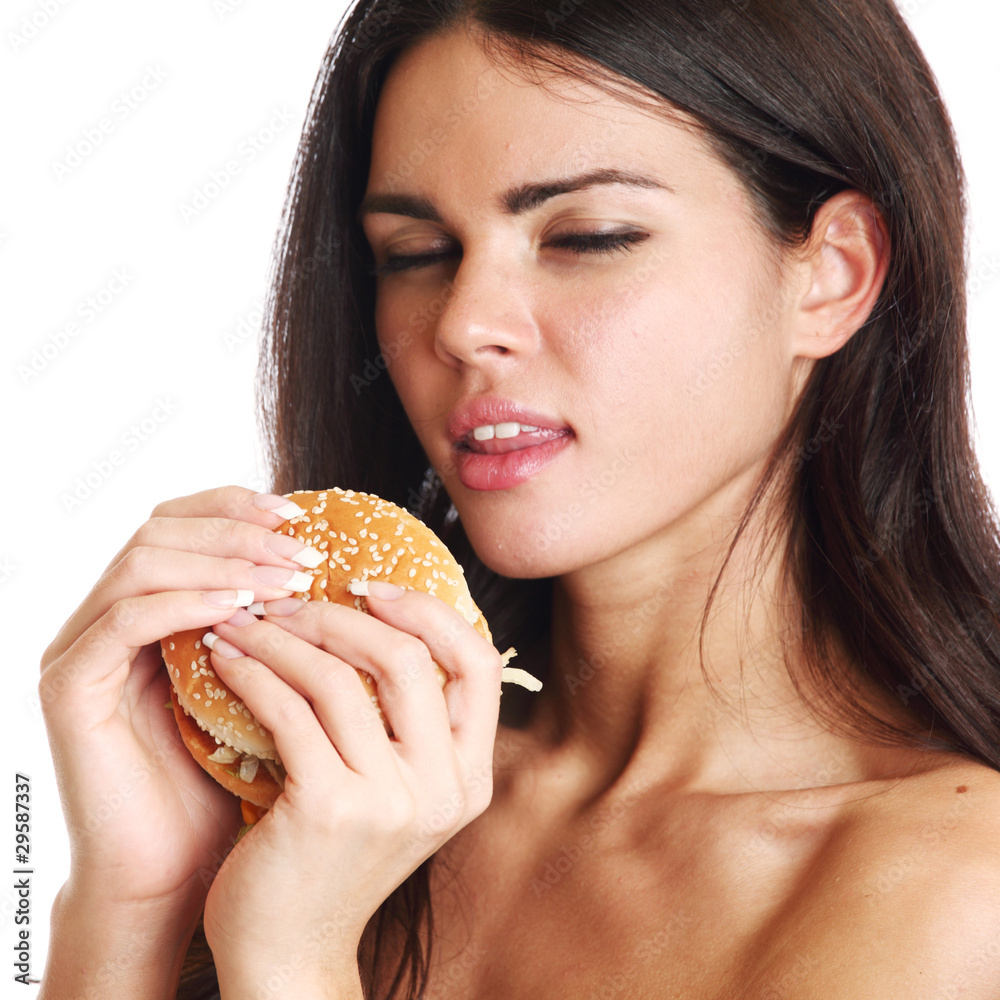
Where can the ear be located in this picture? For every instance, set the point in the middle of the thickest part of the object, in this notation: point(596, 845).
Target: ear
point(845, 261)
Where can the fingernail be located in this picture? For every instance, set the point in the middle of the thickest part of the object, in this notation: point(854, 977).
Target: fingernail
point(275, 576)
point(240, 618)
point(220, 646)
point(375, 588)
point(281, 506)
point(281, 608)
point(291, 548)
point(227, 598)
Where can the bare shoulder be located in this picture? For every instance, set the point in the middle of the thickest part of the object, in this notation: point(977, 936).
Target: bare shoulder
point(904, 899)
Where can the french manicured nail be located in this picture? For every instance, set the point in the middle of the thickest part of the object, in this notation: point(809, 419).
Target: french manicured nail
point(277, 505)
point(220, 646)
point(291, 548)
point(281, 608)
point(375, 588)
point(275, 576)
point(228, 598)
point(240, 618)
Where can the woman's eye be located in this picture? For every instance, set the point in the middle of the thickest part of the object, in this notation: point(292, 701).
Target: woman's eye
point(598, 242)
point(603, 243)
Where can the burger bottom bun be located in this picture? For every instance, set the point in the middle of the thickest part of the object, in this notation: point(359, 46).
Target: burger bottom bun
point(263, 791)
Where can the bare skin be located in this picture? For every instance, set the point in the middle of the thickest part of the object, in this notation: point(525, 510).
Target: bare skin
point(644, 839)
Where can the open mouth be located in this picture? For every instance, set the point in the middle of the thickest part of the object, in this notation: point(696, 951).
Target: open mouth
point(501, 439)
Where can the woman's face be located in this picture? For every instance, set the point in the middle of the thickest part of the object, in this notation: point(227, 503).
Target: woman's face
point(639, 322)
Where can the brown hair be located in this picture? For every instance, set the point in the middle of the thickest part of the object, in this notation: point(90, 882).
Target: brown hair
point(893, 542)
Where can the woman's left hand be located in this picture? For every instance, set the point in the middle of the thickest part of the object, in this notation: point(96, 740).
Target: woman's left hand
point(360, 810)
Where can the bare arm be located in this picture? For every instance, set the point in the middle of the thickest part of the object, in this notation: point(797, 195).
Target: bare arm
point(106, 950)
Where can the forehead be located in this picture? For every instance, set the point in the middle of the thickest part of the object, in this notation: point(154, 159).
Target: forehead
point(449, 114)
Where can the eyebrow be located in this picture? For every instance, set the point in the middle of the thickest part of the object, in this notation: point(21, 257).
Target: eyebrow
point(516, 200)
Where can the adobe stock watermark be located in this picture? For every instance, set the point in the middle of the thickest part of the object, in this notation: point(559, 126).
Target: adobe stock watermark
point(112, 801)
point(562, 522)
point(32, 25)
point(982, 274)
point(782, 822)
point(826, 432)
point(121, 108)
point(314, 950)
point(87, 311)
point(247, 327)
point(918, 508)
point(129, 442)
point(223, 8)
point(205, 194)
point(419, 320)
point(486, 86)
point(641, 615)
point(373, 25)
point(601, 821)
point(936, 829)
point(448, 980)
point(619, 982)
point(923, 674)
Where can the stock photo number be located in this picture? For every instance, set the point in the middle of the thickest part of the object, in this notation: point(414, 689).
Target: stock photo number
point(22, 881)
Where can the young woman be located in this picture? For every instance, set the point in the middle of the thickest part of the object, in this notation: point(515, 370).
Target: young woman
point(655, 312)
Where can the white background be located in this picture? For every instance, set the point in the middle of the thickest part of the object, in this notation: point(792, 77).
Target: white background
point(225, 73)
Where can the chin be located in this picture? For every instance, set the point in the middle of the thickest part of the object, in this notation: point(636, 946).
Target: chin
point(530, 549)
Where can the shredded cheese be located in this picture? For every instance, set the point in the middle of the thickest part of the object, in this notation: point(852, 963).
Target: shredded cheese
point(515, 675)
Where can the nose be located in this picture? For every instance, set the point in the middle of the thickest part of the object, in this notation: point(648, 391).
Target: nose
point(486, 315)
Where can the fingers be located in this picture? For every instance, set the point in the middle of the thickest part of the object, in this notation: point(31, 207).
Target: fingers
point(87, 677)
point(145, 570)
point(400, 666)
point(472, 664)
point(223, 536)
point(233, 502)
point(315, 704)
point(398, 648)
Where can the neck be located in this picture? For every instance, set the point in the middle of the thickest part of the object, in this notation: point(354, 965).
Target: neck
point(627, 691)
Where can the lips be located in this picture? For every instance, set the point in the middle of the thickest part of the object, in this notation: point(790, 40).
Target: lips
point(511, 445)
point(491, 411)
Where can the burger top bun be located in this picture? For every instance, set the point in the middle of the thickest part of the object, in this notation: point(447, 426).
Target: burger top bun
point(360, 537)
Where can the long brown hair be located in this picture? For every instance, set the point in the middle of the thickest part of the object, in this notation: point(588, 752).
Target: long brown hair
point(893, 543)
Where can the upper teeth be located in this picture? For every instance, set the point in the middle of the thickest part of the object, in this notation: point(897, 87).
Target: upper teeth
point(509, 430)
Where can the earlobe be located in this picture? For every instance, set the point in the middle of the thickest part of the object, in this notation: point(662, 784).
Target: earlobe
point(846, 259)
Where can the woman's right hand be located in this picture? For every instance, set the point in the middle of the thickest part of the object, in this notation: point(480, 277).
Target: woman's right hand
point(145, 822)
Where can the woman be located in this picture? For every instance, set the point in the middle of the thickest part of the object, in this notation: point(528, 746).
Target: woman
point(655, 313)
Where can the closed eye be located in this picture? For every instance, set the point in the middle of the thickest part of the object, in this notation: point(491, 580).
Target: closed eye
point(579, 243)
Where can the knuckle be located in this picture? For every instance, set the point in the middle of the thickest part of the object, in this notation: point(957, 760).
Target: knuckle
point(146, 531)
point(448, 815)
point(479, 796)
point(291, 710)
point(215, 530)
point(493, 663)
point(50, 685)
point(396, 813)
point(121, 616)
point(160, 510)
point(133, 564)
point(234, 501)
point(409, 659)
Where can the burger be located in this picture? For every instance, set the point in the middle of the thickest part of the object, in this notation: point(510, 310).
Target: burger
point(359, 537)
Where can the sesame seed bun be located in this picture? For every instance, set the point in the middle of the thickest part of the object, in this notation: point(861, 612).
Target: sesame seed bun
point(360, 537)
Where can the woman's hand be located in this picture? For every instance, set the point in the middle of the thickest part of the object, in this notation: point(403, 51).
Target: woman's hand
point(360, 810)
point(145, 822)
